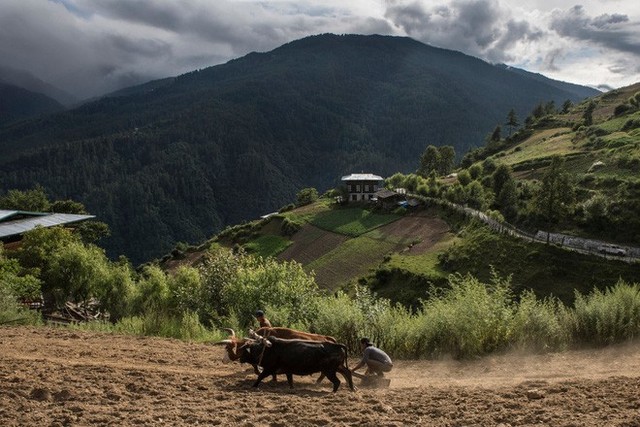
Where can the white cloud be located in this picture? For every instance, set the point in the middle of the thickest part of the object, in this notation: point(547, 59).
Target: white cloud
point(91, 46)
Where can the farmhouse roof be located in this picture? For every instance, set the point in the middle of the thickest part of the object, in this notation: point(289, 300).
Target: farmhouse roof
point(385, 194)
point(362, 177)
point(13, 223)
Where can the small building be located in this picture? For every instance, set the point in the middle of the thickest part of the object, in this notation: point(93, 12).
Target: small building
point(362, 186)
point(13, 224)
point(387, 199)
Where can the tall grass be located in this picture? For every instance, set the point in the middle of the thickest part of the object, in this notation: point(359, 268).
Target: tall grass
point(13, 313)
point(472, 318)
point(607, 317)
point(468, 318)
point(540, 325)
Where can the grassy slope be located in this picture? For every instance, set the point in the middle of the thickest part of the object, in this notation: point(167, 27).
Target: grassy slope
point(582, 148)
point(366, 252)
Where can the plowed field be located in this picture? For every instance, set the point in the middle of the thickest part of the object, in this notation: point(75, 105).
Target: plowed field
point(60, 377)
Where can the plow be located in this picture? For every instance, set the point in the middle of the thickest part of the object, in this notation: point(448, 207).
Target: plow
point(372, 381)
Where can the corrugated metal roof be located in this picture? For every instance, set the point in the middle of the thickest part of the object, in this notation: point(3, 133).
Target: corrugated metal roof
point(12, 228)
point(6, 214)
point(362, 177)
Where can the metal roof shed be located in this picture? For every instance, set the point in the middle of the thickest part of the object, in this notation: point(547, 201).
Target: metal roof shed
point(15, 223)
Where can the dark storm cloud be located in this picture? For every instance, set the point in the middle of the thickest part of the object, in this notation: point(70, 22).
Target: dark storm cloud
point(609, 31)
point(477, 27)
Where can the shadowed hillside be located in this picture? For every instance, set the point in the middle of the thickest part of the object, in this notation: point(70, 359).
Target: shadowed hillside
point(179, 158)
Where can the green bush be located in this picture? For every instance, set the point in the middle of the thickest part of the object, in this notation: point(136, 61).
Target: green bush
point(607, 317)
point(470, 318)
point(14, 313)
point(290, 226)
point(306, 196)
point(539, 325)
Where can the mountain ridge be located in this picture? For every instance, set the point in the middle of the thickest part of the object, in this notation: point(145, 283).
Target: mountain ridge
point(178, 158)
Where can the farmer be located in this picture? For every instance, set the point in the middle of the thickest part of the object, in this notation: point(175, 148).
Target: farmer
point(378, 362)
point(264, 322)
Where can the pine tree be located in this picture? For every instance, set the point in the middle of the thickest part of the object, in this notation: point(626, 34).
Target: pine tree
point(512, 121)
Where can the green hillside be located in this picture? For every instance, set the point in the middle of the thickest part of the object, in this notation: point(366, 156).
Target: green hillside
point(18, 104)
point(177, 160)
point(402, 254)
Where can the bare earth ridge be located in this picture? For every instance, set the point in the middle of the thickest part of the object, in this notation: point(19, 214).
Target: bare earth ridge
point(61, 377)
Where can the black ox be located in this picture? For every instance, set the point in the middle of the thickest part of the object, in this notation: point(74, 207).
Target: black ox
point(297, 357)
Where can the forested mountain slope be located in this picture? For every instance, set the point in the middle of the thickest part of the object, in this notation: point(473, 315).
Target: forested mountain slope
point(17, 103)
point(179, 158)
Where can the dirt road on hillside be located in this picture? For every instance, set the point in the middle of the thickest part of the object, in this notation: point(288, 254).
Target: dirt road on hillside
point(59, 377)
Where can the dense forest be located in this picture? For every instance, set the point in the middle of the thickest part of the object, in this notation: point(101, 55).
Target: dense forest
point(179, 158)
point(17, 103)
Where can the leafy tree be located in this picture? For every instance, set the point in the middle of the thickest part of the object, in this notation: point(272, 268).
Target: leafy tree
point(596, 210)
point(68, 269)
point(117, 291)
point(153, 294)
point(237, 284)
point(501, 175)
point(538, 112)
point(16, 285)
point(464, 177)
point(16, 281)
point(555, 198)
point(31, 200)
point(566, 106)
point(496, 134)
point(587, 116)
point(186, 288)
point(550, 108)
point(456, 194)
point(488, 166)
point(477, 197)
point(447, 156)
point(475, 171)
point(504, 188)
point(507, 200)
point(306, 196)
point(430, 160)
point(395, 181)
point(512, 121)
point(68, 206)
point(76, 273)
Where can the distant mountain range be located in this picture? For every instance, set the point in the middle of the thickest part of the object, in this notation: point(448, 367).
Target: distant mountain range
point(178, 159)
point(17, 103)
point(25, 80)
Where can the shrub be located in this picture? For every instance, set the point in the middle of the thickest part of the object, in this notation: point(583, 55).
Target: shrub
point(470, 318)
point(287, 208)
point(539, 325)
point(307, 196)
point(14, 313)
point(290, 226)
point(607, 317)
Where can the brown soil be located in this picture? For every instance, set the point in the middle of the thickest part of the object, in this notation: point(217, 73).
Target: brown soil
point(60, 377)
point(418, 233)
point(310, 243)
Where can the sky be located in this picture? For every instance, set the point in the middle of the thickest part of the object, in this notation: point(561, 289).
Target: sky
point(91, 47)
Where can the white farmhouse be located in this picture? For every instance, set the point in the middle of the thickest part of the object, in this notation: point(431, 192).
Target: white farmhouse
point(362, 186)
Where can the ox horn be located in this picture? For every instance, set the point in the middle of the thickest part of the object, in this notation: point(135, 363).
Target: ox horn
point(259, 338)
point(223, 342)
point(231, 331)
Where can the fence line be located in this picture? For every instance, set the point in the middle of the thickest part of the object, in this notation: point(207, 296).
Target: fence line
point(577, 244)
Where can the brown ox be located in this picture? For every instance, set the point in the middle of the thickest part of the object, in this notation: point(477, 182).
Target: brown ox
point(234, 345)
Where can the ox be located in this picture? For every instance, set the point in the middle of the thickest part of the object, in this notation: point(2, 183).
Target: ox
point(297, 357)
point(234, 344)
